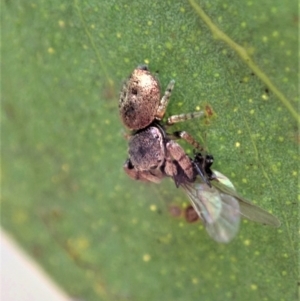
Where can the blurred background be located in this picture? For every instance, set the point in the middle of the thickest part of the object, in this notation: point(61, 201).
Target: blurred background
point(65, 198)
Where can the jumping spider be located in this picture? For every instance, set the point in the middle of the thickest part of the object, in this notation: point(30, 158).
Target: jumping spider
point(153, 153)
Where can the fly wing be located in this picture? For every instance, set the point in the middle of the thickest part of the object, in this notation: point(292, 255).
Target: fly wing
point(247, 209)
point(227, 225)
point(205, 200)
point(219, 212)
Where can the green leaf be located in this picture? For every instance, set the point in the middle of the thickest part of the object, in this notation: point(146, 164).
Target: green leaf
point(65, 196)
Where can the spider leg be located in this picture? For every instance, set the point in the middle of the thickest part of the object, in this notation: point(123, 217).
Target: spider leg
point(189, 139)
point(183, 117)
point(161, 110)
point(141, 175)
point(200, 167)
point(176, 152)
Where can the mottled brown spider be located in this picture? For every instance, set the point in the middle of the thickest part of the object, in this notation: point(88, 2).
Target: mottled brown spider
point(153, 153)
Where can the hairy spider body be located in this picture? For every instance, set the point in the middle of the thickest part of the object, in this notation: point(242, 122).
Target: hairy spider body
point(153, 156)
point(139, 99)
point(153, 153)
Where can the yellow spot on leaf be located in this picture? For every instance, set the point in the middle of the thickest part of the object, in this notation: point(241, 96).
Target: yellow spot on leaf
point(51, 50)
point(65, 167)
point(253, 287)
point(169, 45)
point(153, 208)
point(81, 243)
point(195, 280)
point(288, 52)
point(61, 23)
point(224, 51)
point(274, 10)
point(247, 242)
point(146, 257)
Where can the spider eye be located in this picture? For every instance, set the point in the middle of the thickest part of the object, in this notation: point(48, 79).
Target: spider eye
point(130, 166)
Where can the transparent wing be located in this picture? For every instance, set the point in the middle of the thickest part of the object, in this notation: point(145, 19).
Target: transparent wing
point(219, 212)
point(220, 207)
point(247, 209)
point(226, 227)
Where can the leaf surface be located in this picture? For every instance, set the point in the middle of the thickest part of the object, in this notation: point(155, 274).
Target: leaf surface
point(65, 196)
